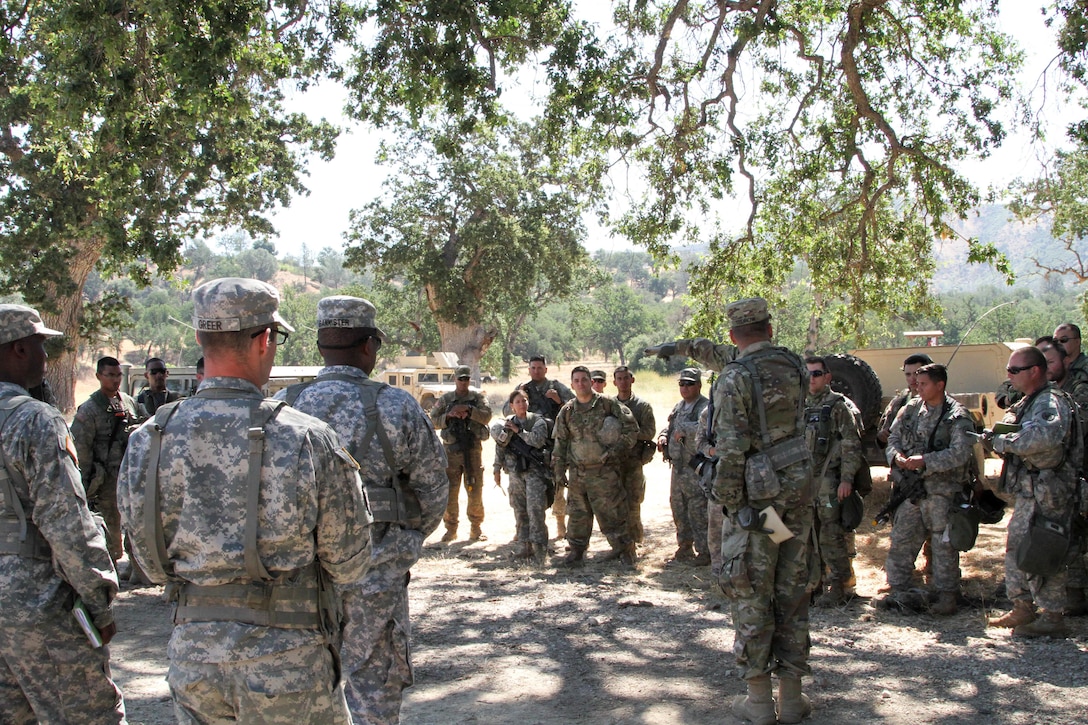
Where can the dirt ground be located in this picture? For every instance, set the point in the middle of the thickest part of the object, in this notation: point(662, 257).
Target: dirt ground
point(499, 642)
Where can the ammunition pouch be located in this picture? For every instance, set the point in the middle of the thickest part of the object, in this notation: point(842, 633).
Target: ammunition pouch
point(761, 469)
point(1045, 550)
point(963, 520)
point(396, 504)
point(733, 578)
point(29, 544)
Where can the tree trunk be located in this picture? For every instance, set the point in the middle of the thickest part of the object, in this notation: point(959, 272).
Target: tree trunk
point(63, 370)
point(470, 343)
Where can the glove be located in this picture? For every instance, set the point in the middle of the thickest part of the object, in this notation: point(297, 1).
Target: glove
point(664, 350)
point(751, 520)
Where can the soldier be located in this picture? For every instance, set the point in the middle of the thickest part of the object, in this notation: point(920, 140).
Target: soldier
point(598, 381)
point(1040, 468)
point(642, 451)
point(546, 397)
point(901, 398)
point(834, 442)
point(592, 433)
point(401, 463)
point(1068, 336)
point(526, 463)
point(252, 510)
point(931, 446)
point(462, 416)
point(678, 444)
point(52, 552)
point(100, 430)
point(155, 394)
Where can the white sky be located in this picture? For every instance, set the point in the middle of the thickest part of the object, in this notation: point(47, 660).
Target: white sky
point(352, 179)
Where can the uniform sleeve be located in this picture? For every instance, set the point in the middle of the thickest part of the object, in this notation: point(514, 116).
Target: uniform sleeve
point(733, 434)
point(537, 436)
point(426, 469)
point(438, 412)
point(343, 522)
point(83, 432)
point(895, 437)
point(852, 458)
point(1040, 432)
point(565, 393)
point(61, 514)
point(481, 412)
point(646, 423)
point(711, 355)
point(561, 434)
point(130, 500)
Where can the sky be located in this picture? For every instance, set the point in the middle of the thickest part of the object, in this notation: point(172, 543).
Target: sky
point(352, 179)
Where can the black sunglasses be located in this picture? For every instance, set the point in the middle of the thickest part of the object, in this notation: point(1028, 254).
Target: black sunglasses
point(1064, 340)
point(687, 383)
point(1014, 370)
point(817, 373)
point(157, 371)
point(280, 335)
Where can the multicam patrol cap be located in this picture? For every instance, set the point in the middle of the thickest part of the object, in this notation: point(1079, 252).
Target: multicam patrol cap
point(598, 375)
point(232, 304)
point(349, 312)
point(19, 321)
point(747, 311)
point(690, 375)
point(462, 372)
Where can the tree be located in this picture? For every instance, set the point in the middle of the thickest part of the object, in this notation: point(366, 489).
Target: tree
point(475, 219)
point(616, 316)
point(127, 129)
point(258, 263)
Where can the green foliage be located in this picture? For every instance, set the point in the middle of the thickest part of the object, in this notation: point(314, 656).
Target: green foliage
point(617, 315)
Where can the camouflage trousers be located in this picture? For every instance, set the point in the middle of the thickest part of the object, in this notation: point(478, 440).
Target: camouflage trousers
point(529, 499)
point(771, 622)
point(912, 526)
point(1048, 593)
point(1077, 574)
point(285, 688)
point(715, 522)
point(50, 674)
point(375, 654)
point(689, 510)
point(633, 481)
point(596, 492)
point(104, 503)
point(835, 544)
point(468, 466)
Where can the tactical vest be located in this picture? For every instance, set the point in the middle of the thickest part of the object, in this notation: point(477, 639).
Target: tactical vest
point(18, 535)
point(267, 601)
point(791, 448)
point(392, 500)
point(818, 424)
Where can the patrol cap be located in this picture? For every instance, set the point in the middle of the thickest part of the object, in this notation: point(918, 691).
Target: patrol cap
point(19, 321)
point(690, 375)
point(747, 311)
point(232, 304)
point(463, 372)
point(598, 375)
point(349, 312)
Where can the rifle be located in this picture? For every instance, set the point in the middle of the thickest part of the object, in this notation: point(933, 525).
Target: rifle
point(911, 487)
point(527, 455)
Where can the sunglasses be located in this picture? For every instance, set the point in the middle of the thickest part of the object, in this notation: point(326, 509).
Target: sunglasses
point(1014, 370)
point(818, 373)
point(279, 335)
point(1064, 340)
point(157, 371)
point(687, 383)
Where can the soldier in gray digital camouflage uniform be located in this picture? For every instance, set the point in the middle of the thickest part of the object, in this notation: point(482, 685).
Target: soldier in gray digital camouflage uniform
point(834, 440)
point(642, 451)
point(678, 442)
point(764, 462)
point(402, 465)
point(252, 511)
point(591, 433)
point(1041, 462)
point(526, 465)
point(546, 397)
point(52, 551)
point(461, 417)
point(929, 438)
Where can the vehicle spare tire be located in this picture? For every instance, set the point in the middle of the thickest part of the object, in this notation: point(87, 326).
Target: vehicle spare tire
point(854, 378)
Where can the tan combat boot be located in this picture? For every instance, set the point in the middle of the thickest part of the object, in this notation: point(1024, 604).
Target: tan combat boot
point(684, 552)
point(575, 558)
point(758, 705)
point(561, 527)
point(793, 705)
point(450, 535)
point(946, 605)
point(1022, 613)
point(1048, 624)
point(834, 596)
point(475, 534)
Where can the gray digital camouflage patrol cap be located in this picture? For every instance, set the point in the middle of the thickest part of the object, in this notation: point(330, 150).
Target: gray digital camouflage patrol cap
point(747, 311)
point(599, 375)
point(19, 321)
point(232, 304)
point(349, 312)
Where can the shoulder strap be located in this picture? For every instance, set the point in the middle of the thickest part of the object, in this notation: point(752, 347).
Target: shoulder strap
point(153, 531)
point(260, 416)
point(749, 364)
point(8, 406)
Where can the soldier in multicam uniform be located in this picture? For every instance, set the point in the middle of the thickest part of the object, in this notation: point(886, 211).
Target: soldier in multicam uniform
point(251, 510)
point(901, 398)
point(402, 465)
point(678, 443)
point(461, 416)
point(100, 430)
point(835, 444)
point(642, 451)
point(1041, 462)
point(51, 551)
point(598, 381)
point(591, 434)
point(546, 397)
point(763, 461)
point(526, 465)
point(929, 438)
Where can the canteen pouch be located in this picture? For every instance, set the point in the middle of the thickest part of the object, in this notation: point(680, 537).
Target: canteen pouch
point(1045, 548)
point(760, 478)
point(963, 520)
point(733, 578)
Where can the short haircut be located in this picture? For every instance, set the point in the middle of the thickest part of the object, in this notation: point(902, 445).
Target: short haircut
point(106, 362)
point(816, 360)
point(517, 393)
point(918, 358)
point(621, 369)
point(538, 358)
point(753, 329)
point(1035, 356)
point(581, 369)
point(200, 363)
point(1044, 341)
point(231, 343)
point(147, 363)
point(938, 373)
point(1072, 327)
